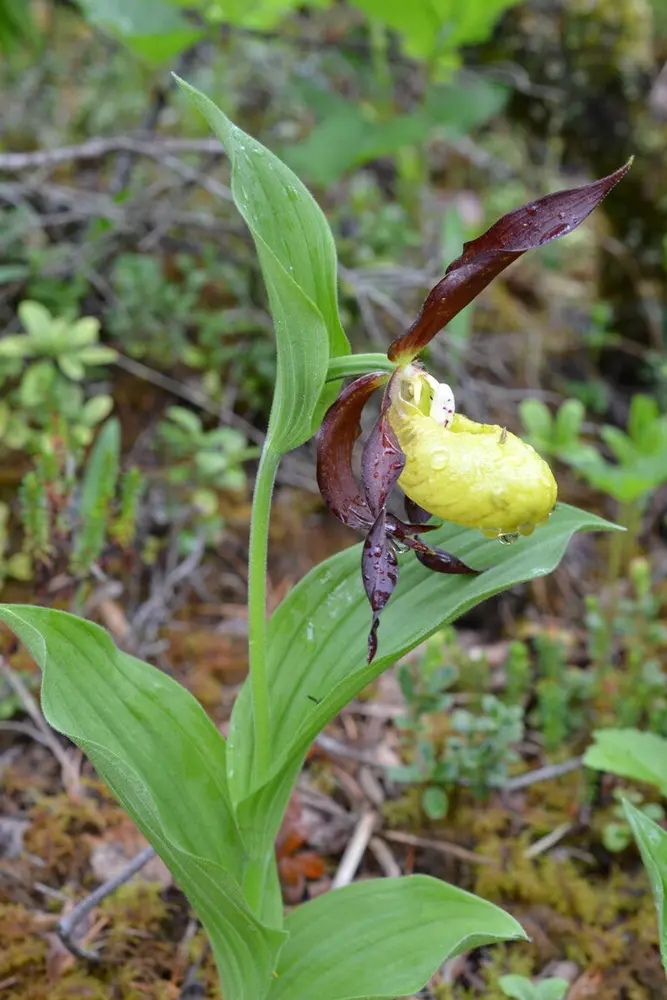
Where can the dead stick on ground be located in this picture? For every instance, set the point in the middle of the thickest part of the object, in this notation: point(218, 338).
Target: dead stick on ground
point(442, 846)
point(355, 849)
point(69, 769)
point(68, 924)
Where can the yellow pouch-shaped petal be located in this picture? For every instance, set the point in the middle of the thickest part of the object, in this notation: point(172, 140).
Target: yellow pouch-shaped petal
point(477, 475)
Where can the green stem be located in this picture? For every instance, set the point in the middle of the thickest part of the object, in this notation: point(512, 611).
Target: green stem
point(352, 365)
point(257, 559)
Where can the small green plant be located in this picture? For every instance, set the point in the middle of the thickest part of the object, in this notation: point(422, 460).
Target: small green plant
point(522, 988)
point(15, 565)
point(200, 457)
point(73, 510)
point(42, 371)
point(556, 435)
point(451, 746)
point(627, 653)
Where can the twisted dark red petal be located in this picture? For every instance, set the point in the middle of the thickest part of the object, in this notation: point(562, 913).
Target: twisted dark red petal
point(379, 571)
point(525, 228)
point(335, 441)
point(437, 559)
point(382, 462)
point(415, 513)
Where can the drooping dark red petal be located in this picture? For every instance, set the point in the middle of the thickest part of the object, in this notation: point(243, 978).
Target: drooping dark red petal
point(382, 462)
point(437, 559)
point(414, 512)
point(335, 441)
point(525, 228)
point(399, 529)
point(379, 571)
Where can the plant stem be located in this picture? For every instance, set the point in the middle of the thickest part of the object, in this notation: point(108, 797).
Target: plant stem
point(257, 559)
point(352, 365)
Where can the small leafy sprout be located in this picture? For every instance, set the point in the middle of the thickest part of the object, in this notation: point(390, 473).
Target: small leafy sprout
point(47, 365)
point(476, 475)
point(522, 988)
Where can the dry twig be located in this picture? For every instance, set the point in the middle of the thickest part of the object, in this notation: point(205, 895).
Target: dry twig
point(69, 923)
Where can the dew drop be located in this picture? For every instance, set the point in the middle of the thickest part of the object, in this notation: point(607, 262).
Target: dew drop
point(531, 209)
point(438, 461)
point(508, 538)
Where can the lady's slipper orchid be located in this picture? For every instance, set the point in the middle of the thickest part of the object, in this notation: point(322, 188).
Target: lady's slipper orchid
point(477, 475)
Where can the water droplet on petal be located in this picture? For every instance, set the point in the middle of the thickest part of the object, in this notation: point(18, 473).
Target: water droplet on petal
point(508, 538)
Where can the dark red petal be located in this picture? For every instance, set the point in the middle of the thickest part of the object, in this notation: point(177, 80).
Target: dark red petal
point(437, 559)
point(525, 228)
point(414, 512)
point(379, 571)
point(382, 462)
point(335, 441)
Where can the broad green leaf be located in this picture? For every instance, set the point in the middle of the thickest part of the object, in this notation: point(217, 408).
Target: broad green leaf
point(254, 13)
point(346, 135)
point(298, 259)
point(652, 842)
point(630, 753)
point(162, 757)
point(153, 29)
point(317, 638)
point(432, 28)
point(382, 938)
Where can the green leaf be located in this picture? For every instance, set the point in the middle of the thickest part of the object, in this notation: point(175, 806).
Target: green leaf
point(99, 485)
point(71, 365)
point(630, 753)
point(554, 988)
point(317, 639)
point(298, 260)
point(15, 346)
point(97, 354)
point(568, 421)
point(16, 24)
point(348, 134)
point(36, 319)
point(95, 410)
point(382, 938)
point(187, 419)
point(84, 332)
point(517, 987)
point(164, 760)
point(36, 383)
point(652, 842)
point(435, 802)
point(432, 28)
point(536, 418)
point(151, 28)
